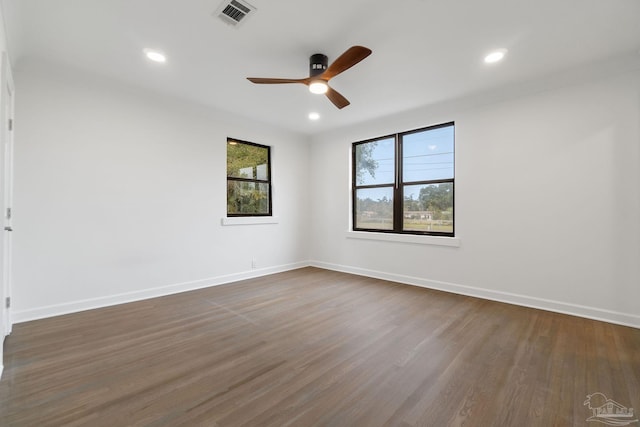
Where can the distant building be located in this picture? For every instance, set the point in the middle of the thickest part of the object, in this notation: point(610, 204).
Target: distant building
point(427, 215)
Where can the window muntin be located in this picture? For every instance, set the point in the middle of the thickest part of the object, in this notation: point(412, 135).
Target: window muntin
point(248, 179)
point(404, 183)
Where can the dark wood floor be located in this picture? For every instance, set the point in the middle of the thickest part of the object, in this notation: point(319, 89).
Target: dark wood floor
point(315, 348)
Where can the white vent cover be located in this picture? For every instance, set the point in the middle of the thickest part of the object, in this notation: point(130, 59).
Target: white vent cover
point(234, 12)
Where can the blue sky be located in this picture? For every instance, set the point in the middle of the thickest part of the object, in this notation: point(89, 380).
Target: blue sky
point(427, 155)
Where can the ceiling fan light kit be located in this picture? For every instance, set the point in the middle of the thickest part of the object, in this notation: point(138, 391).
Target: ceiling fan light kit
point(320, 73)
point(319, 87)
point(317, 65)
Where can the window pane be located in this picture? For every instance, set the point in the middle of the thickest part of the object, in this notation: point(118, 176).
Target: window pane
point(247, 197)
point(428, 155)
point(428, 207)
point(374, 162)
point(374, 208)
point(247, 161)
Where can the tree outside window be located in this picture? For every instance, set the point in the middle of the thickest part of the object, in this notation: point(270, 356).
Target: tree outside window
point(248, 179)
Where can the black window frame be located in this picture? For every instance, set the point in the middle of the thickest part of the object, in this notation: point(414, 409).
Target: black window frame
point(398, 185)
point(254, 180)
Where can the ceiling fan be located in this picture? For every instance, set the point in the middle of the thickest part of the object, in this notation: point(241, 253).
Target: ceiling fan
point(320, 74)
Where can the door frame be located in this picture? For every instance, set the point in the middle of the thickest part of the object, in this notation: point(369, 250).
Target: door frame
point(6, 135)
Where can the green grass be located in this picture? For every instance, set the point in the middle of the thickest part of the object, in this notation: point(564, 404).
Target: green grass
point(445, 226)
point(409, 225)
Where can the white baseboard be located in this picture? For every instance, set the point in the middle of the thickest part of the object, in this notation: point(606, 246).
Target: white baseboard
point(19, 316)
point(594, 313)
point(625, 319)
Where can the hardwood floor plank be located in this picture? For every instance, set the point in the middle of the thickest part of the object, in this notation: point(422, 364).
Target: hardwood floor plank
point(312, 347)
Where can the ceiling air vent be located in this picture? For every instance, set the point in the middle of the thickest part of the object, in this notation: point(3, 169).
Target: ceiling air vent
point(234, 12)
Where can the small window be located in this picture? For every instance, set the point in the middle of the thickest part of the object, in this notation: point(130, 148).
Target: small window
point(404, 183)
point(248, 179)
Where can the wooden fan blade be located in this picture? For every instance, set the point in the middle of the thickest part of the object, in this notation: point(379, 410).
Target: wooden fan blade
point(260, 80)
point(348, 59)
point(337, 99)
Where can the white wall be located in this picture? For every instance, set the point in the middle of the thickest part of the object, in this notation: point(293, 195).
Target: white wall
point(547, 200)
point(119, 195)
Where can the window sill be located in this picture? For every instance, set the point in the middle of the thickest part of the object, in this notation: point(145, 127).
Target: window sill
point(250, 220)
point(405, 238)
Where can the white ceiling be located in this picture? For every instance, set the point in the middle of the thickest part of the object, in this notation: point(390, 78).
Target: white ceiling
point(424, 51)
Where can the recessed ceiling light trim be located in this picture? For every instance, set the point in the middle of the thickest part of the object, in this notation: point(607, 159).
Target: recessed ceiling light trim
point(495, 56)
point(155, 56)
point(314, 116)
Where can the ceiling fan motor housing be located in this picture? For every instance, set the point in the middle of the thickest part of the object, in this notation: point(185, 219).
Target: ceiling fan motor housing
point(317, 64)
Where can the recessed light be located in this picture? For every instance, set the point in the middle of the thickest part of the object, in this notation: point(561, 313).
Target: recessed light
point(314, 116)
point(495, 56)
point(155, 56)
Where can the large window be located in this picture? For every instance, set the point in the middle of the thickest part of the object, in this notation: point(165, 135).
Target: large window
point(248, 179)
point(404, 183)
